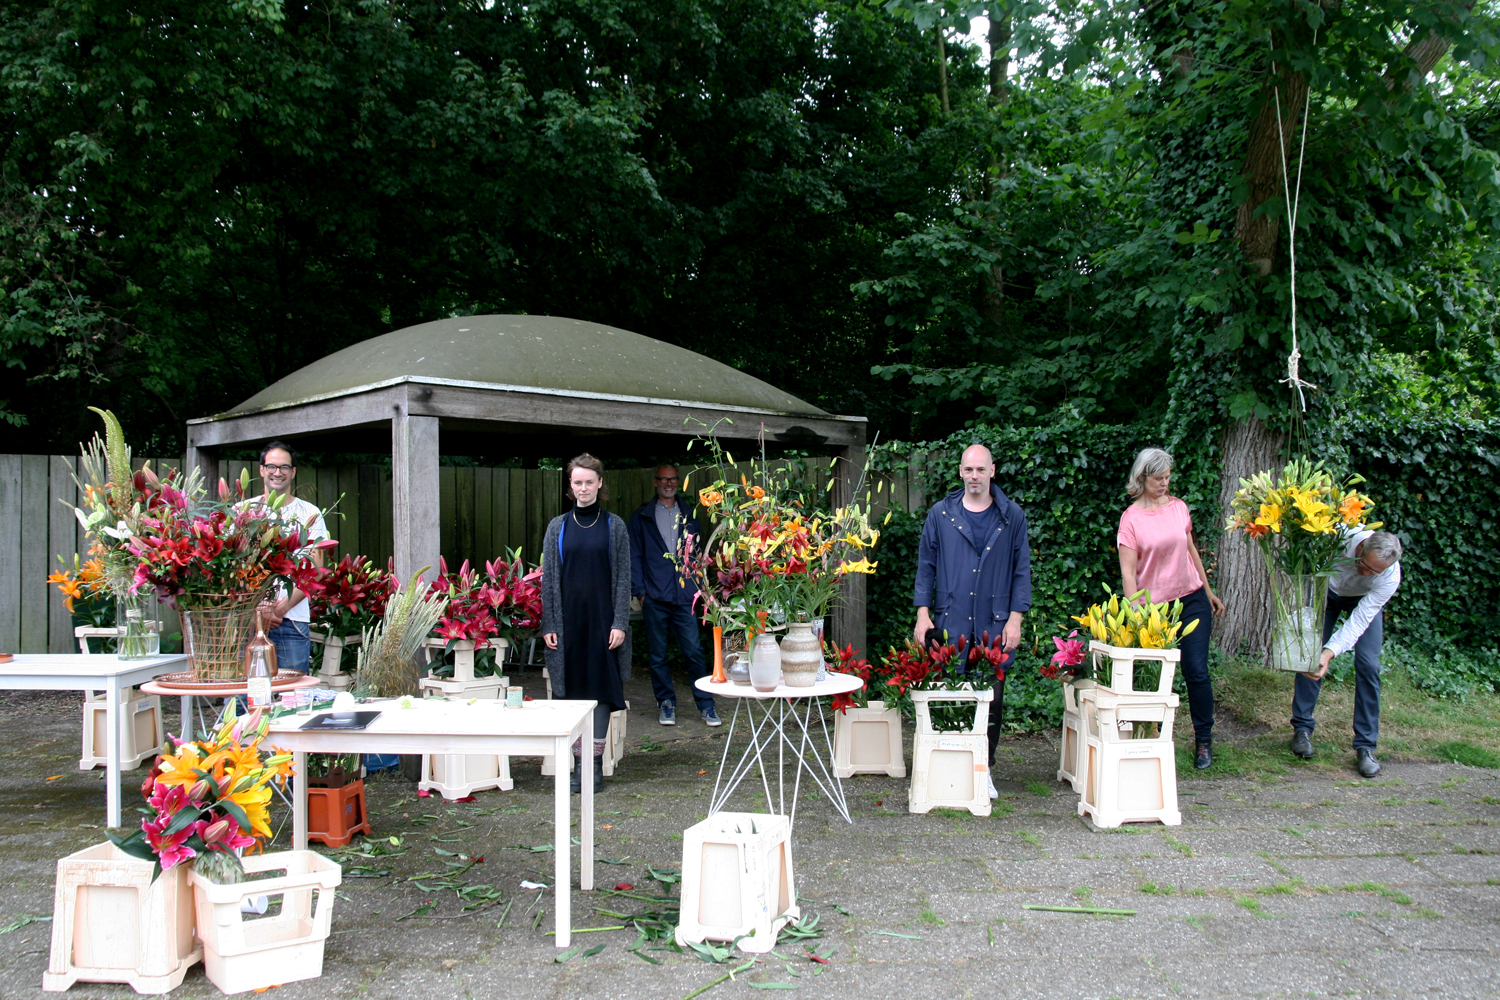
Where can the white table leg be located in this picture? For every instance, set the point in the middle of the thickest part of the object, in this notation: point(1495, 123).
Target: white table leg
point(112, 762)
point(586, 827)
point(299, 801)
point(562, 873)
point(187, 717)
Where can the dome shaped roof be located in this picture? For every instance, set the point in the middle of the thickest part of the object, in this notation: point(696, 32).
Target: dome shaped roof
point(529, 353)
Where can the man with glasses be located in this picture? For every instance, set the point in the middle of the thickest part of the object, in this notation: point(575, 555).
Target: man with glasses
point(287, 616)
point(666, 595)
point(1368, 580)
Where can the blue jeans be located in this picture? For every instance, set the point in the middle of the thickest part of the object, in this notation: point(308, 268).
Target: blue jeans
point(661, 619)
point(1194, 663)
point(293, 647)
point(1366, 677)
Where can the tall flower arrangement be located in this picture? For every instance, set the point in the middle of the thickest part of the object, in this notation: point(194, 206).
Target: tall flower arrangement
point(774, 555)
point(957, 666)
point(209, 800)
point(352, 598)
point(503, 600)
point(388, 649)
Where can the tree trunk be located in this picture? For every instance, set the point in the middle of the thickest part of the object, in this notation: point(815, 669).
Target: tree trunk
point(942, 68)
point(1266, 153)
point(1248, 447)
point(993, 300)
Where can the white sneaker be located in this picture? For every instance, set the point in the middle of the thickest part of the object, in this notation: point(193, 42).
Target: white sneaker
point(993, 793)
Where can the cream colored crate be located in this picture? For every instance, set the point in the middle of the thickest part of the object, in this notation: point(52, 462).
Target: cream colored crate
point(950, 770)
point(614, 747)
point(868, 741)
point(1070, 766)
point(457, 776)
point(463, 654)
point(1128, 779)
point(329, 672)
point(141, 730)
point(1122, 670)
point(737, 880)
point(247, 952)
point(111, 923)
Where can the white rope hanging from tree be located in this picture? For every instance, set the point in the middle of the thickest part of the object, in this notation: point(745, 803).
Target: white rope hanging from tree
point(1294, 360)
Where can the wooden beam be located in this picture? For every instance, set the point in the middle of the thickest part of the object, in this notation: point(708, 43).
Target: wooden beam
point(414, 492)
point(364, 409)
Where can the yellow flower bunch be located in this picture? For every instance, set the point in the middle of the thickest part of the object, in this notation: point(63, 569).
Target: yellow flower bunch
point(1135, 623)
point(1300, 516)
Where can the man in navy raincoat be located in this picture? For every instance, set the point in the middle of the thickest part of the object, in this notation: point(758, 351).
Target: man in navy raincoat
point(974, 569)
point(666, 595)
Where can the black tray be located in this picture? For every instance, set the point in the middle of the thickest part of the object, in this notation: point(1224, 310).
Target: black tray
point(327, 720)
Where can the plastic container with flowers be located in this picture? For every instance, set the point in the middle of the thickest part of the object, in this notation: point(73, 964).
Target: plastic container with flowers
point(956, 666)
point(209, 800)
point(117, 504)
point(1298, 521)
point(492, 608)
point(87, 597)
point(777, 558)
point(214, 561)
point(352, 599)
point(1122, 628)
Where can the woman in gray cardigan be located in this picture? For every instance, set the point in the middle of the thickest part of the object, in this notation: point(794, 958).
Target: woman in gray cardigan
point(586, 605)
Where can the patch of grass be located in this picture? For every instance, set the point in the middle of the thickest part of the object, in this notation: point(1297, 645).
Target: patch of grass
point(1293, 887)
point(1001, 808)
point(1252, 904)
point(1177, 845)
point(1453, 782)
point(1040, 789)
point(928, 917)
point(1464, 752)
point(1489, 800)
point(1029, 837)
point(1152, 889)
point(1380, 889)
point(1413, 723)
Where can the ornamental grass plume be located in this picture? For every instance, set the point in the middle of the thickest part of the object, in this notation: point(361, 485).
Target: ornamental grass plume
point(388, 651)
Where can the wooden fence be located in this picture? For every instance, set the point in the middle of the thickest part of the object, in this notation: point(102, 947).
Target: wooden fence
point(484, 513)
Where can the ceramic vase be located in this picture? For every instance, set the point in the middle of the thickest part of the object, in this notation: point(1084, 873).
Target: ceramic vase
point(801, 655)
point(765, 663)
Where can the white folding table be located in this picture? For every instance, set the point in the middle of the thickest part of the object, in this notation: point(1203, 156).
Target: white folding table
point(80, 672)
point(488, 726)
point(780, 723)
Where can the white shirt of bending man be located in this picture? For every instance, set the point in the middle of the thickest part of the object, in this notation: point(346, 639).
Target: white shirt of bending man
point(277, 473)
point(1371, 579)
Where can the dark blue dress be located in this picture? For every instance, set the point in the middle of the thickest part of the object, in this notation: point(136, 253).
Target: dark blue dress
point(590, 671)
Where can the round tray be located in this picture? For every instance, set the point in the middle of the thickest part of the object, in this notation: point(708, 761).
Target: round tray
point(185, 681)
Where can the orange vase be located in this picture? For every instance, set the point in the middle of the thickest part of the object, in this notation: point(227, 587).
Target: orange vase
point(719, 675)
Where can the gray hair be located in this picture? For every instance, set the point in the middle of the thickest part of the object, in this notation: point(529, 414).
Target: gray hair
point(1384, 546)
point(1150, 462)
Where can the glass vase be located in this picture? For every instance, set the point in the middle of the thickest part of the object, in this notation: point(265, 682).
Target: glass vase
point(1297, 633)
point(137, 626)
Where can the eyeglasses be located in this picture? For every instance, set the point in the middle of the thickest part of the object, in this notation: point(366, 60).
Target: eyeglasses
point(666, 479)
point(278, 468)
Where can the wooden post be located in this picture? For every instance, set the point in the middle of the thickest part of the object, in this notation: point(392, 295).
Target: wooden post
point(205, 460)
point(414, 492)
point(849, 612)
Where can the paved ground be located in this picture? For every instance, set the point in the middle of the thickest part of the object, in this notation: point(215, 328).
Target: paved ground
point(1296, 884)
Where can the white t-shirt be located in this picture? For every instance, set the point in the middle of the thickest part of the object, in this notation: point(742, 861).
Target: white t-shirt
point(296, 511)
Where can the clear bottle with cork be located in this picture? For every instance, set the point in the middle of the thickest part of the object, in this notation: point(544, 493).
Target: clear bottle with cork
point(260, 667)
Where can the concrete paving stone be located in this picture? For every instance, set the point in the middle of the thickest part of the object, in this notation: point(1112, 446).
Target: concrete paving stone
point(1265, 818)
point(1239, 841)
point(1097, 873)
point(1475, 837)
point(1376, 840)
point(1463, 868)
point(1411, 973)
point(1339, 872)
point(1478, 902)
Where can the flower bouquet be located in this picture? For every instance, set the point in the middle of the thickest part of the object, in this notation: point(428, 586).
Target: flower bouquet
point(117, 503)
point(208, 801)
point(958, 666)
point(1119, 626)
point(504, 601)
point(214, 561)
point(1298, 521)
point(86, 593)
point(352, 599)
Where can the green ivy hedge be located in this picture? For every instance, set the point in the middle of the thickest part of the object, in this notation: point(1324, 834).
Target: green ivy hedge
point(1431, 477)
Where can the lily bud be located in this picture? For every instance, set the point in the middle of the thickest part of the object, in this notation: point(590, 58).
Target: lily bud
point(148, 786)
point(216, 832)
point(225, 784)
point(200, 790)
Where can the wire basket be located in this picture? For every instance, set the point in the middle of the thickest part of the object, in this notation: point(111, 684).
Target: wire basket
point(215, 636)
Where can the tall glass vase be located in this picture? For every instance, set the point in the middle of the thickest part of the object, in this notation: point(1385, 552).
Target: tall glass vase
point(137, 625)
point(1297, 633)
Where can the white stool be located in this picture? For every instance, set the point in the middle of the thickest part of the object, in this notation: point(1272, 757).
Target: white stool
point(614, 746)
point(454, 775)
point(868, 741)
point(1122, 660)
point(1129, 779)
point(737, 880)
point(141, 730)
point(329, 669)
point(950, 770)
point(1070, 767)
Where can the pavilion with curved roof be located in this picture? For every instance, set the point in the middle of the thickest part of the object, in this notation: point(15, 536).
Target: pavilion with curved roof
point(550, 386)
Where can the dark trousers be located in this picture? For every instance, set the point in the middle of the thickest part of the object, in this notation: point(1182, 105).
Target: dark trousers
point(1194, 663)
point(997, 714)
point(661, 620)
point(1366, 677)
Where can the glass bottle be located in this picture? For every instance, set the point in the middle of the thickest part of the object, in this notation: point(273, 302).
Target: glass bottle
point(260, 666)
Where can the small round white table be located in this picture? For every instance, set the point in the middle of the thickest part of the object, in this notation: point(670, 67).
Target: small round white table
point(778, 708)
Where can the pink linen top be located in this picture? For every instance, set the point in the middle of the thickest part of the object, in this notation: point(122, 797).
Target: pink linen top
point(1163, 565)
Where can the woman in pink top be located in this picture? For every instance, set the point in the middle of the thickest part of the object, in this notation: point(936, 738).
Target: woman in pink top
point(1158, 555)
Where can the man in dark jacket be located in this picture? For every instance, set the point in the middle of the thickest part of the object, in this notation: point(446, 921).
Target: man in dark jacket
point(974, 569)
point(666, 596)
